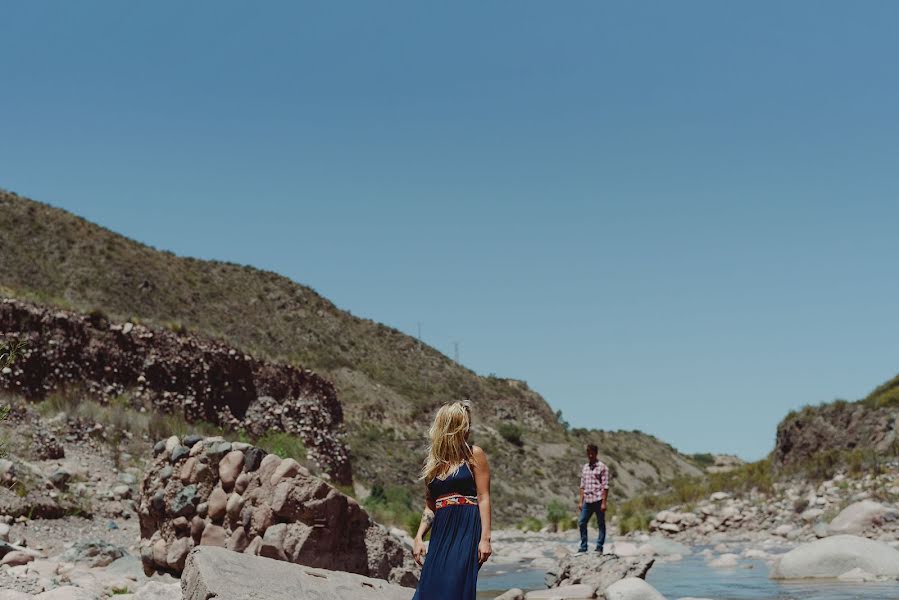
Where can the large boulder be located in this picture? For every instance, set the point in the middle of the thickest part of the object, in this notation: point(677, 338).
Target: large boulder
point(597, 570)
point(225, 575)
point(632, 588)
point(566, 592)
point(833, 556)
point(858, 517)
point(281, 512)
point(156, 590)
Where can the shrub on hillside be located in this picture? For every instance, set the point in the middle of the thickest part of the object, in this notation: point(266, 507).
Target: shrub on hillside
point(511, 433)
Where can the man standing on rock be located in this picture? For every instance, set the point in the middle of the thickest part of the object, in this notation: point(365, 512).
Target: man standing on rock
point(592, 499)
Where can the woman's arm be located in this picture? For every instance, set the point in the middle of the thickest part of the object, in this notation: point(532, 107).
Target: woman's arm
point(482, 482)
point(427, 518)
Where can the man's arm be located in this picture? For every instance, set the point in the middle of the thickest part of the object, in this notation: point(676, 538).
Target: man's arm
point(580, 499)
point(605, 488)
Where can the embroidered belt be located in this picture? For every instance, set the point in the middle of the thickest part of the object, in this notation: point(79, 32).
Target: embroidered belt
point(456, 500)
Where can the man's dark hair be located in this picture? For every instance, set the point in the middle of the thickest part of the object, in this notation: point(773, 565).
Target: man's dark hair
point(592, 448)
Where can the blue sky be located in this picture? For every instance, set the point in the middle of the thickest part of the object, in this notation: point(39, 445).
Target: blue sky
point(673, 217)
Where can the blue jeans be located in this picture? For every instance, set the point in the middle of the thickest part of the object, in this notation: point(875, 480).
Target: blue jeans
point(587, 511)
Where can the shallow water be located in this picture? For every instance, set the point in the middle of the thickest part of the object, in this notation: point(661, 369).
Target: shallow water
point(692, 577)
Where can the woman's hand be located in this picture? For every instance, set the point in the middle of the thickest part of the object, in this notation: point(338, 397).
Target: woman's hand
point(418, 551)
point(484, 551)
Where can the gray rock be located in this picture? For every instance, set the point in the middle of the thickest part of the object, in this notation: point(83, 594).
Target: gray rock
point(126, 478)
point(513, 594)
point(191, 440)
point(252, 459)
point(156, 590)
point(858, 517)
point(96, 553)
point(177, 553)
point(157, 501)
point(179, 452)
point(597, 570)
point(564, 592)
point(632, 588)
point(122, 491)
point(273, 542)
point(165, 473)
point(128, 567)
point(66, 592)
point(226, 575)
point(185, 502)
point(217, 450)
point(213, 535)
point(60, 478)
point(171, 443)
point(831, 557)
point(159, 448)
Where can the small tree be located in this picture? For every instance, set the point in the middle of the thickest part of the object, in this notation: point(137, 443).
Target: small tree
point(557, 513)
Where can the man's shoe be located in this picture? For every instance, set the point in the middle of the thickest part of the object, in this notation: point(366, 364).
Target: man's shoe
point(599, 549)
point(581, 550)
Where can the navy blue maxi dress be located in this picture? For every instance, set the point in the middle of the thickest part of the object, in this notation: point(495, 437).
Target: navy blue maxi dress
point(450, 571)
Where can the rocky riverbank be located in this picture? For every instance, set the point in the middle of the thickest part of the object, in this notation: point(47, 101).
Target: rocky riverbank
point(797, 511)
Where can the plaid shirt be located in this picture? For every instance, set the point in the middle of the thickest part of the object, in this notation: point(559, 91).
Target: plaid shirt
point(594, 480)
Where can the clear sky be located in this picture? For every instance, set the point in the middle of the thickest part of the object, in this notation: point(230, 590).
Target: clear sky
point(678, 217)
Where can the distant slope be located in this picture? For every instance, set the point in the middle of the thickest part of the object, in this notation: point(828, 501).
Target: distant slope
point(387, 382)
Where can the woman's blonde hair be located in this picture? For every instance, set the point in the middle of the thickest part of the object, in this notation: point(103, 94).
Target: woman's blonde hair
point(448, 447)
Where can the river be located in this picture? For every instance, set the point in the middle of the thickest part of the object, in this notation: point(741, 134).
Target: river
point(689, 577)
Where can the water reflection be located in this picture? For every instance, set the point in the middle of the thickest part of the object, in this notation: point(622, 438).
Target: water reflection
point(692, 577)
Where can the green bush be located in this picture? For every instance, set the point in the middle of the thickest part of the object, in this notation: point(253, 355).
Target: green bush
point(511, 433)
point(703, 460)
point(394, 505)
point(558, 513)
point(282, 444)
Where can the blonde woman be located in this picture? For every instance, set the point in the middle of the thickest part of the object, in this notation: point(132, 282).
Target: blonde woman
point(457, 509)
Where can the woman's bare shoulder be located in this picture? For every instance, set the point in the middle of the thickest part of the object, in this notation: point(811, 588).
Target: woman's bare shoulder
point(478, 452)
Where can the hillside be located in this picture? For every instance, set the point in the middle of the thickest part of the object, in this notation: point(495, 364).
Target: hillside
point(387, 383)
point(820, 438)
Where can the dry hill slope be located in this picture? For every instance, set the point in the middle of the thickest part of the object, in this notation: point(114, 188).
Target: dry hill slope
point(387, 383)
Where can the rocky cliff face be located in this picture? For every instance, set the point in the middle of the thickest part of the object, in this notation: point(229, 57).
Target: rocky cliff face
point(218, 493)
point(158, 369)
point(840, 426)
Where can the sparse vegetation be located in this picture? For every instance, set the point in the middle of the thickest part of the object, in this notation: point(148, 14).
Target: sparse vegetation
point(824, 465)
point(393, 504)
